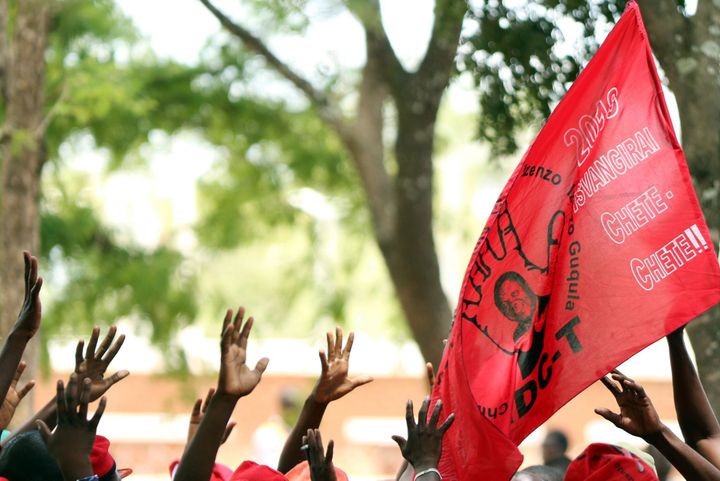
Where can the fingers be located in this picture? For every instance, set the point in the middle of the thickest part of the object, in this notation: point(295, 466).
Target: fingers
point(98, 414)
point(435, 416)
point(611, 386)
point(208, 397)
point(329, 452)
point(238, 323)
point(26, 277)
point(338, 342)
point(114, 350)
point(79, 353)
point(348, 346)
point(323, 362)
point(261, 365)
point(430, 374)
point(18, 372)
point(226, 322)
point(609, 415)
point(195, 410)
point(84, 399)
point(422, 413)
point(401, 442)
point(360, 380)
point(245, 332)
point(26, 389)
point(44, 430)
point(92, 344)
point(410, 415)
point(448, 422)
point(35, 291)
point(228, 429)
point(117, 377)
point(330, 345)
point(61, 401)
point(105, 344)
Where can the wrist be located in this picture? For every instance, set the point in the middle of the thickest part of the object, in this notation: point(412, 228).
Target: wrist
point(18, 337)
point(75, 468)
point(224, 398)
point(658, 436)
point(314, 400)
point(424, 465)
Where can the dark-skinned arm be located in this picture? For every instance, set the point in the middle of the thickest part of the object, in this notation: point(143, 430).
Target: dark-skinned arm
point(638, 417)
point(235, 380)
point(697, 420)
point(25, 327)
point(332, 384)
point(71, 442)
point(423, 446)
point(92, 365)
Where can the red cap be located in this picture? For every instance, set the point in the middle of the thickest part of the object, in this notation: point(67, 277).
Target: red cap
point(101, 460)
point(220, 472)
point(301, 472)
point(251, 471)
point(605, 462)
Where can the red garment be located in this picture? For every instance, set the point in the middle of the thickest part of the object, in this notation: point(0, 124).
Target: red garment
point(220, 472)
point(101, 460)
point(605, 462)
point(595, 249)
point(251, 471)
point(301, 472)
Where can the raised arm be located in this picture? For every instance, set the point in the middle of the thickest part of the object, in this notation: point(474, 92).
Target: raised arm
point(638, 417)
point(423, 445)
point(332, 384)
point(25, 327)
point(92, 365)
point(71, 442)
point(695, 415)
point(234, 381)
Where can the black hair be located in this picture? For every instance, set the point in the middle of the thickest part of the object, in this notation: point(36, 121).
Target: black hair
point(511, 276)
point(559, 438)
point(25, 457)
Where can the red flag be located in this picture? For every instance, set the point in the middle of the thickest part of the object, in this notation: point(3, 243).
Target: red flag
point(596, 248)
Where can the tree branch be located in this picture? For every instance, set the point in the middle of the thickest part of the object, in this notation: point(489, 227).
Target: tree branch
point(670, 34)
point(443, 44)
point(3, 45)
point(327, 109)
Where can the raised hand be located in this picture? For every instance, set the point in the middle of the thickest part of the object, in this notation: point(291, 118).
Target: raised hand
point(28, 321)
point(334, 381)
point(198, 413)
point(14, 396)
point(73, 438)
point(236, 379)
point(430, 374)
point(423, 446)
point(96, 360)
point(637, 414)
point(320, 462)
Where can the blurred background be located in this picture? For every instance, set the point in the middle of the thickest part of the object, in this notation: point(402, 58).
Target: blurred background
point(321, 162)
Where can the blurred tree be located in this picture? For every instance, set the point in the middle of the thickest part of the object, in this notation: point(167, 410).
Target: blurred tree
point(514, 56)
point(60, 76)
point(397, 186)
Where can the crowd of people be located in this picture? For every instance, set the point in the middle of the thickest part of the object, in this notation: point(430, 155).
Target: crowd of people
point(59, 442)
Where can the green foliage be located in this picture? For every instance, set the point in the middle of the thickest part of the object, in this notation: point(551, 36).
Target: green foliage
point(95, 279)
point(520, 65)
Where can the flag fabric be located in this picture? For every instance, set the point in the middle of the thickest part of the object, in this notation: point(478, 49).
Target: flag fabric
point(596, 248)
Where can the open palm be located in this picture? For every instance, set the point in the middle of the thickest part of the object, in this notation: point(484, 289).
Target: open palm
point(236, 378)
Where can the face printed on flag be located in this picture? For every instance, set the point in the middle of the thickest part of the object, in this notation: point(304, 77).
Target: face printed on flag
point(595, 249)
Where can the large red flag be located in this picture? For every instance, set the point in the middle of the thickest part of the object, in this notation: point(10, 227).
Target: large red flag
point(596, 248)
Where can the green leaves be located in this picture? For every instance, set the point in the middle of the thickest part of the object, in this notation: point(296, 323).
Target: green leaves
point(522, 62)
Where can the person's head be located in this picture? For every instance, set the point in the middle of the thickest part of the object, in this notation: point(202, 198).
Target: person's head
point(554, 446)
point(25, 457)
point(514, 298)
point(538, 473)
point(605, 462)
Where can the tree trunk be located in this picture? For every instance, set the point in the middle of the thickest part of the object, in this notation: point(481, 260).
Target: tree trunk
point(23, 156)
point(689, 52)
